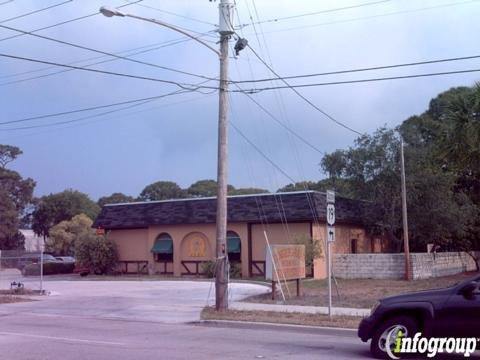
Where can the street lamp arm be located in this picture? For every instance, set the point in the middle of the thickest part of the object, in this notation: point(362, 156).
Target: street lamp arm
point(109, 12)
point(174, 28)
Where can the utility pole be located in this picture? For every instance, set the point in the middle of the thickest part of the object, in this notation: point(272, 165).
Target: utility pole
point(404, 216)
point(226, 9)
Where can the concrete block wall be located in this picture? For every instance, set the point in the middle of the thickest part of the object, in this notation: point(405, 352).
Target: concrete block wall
point(392, 266)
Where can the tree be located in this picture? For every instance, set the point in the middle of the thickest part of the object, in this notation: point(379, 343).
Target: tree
point(15, 196)
point(64, 236)
point(203, 188)
point(115, 198)
point(97, 253)
point(8, 153)
point(162, 190)
point(54, 208)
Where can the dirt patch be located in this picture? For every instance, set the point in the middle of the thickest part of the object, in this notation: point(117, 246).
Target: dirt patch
point(350, 322)
point(9, 299)
point(361, 293)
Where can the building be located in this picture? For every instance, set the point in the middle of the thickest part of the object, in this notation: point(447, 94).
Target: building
point(33, 243)
point(175, 237)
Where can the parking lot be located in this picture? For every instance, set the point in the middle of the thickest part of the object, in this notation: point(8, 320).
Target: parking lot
point(155, 301)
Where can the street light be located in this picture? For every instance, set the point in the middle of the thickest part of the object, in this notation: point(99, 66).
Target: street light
point(226, 12)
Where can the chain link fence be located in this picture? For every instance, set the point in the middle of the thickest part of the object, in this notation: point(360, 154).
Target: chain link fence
point(20, 269)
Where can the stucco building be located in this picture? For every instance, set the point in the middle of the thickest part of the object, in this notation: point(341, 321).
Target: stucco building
point(176, 237)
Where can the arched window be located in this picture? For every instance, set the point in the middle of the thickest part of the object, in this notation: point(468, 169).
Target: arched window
point(234, 246)
point(163, 248)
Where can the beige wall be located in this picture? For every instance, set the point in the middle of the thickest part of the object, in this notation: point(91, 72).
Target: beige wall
point(185, 238)
point(132, 245)
point(197, 243)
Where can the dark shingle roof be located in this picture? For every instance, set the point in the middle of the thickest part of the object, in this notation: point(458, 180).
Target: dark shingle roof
point(270, 208)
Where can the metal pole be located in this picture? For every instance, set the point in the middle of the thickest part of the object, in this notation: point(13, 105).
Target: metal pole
point(41, 268)
point(404, 216)
point(329, 275)
point(221, 278)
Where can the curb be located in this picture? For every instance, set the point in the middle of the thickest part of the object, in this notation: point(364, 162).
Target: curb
point(325, 330)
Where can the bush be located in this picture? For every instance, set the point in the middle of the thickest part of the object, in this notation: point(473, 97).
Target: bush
point(208, 268)
point(49, 268)
point(96, 253)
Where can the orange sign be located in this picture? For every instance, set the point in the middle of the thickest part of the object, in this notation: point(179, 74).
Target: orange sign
point(289, 262)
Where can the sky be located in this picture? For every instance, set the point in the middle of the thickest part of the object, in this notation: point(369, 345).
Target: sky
point(175, 138)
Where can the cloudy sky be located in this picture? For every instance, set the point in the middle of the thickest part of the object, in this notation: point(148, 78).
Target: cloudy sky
point(126, 147)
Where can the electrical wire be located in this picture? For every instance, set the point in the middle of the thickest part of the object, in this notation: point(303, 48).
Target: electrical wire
point(174, 14)
point(64, 22)
point(181, 85)
point(317, 12)
point(6, 2)
point(34, 12)
point(303, 97)
point(105, 53)
point(45, 116)
point(372, 16)
point(363, 69)
point(256, 90)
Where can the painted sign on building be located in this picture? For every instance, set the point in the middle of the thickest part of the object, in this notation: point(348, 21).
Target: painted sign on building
point(288, 262)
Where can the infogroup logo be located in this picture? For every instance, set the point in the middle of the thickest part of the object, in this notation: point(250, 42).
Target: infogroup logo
point(430, 346)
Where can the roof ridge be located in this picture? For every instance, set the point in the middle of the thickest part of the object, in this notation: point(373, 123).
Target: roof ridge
point(214, 197)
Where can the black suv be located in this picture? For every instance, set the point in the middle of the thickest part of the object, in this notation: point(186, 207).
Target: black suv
point(453, 311)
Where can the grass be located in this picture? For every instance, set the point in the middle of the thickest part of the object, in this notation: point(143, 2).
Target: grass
point(9, 299)
point(360, 293)
point(350, 322)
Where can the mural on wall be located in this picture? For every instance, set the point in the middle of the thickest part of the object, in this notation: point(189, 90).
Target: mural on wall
point(197, 247)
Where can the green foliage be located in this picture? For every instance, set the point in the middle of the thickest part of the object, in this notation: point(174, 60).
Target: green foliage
point(64, 235)
point(115, 198)
point(54, 208)
point(442, 165)
point(162, 190)
point(208, 269)
point(15, 196)
point(203, 188)
point(97, 253)
point(8, 153)
point(235, 270)
point(313, 248)
point(49, 268)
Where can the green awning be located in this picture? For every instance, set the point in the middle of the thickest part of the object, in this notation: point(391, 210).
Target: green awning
point(233, 245)
point(163, 247)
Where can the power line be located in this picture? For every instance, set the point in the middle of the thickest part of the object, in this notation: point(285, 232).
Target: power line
point(261, 152)
point(145, 49)
point(6, 2)
point(303, 97)
point(256, 90)
point(372, 16)
point(139, 102)
point(35, 11)
point(104, 52)
point(181, 85)
point(174, 14)
point(64, 22)
point(362, 69)
point(44, 116)
point(317, 12)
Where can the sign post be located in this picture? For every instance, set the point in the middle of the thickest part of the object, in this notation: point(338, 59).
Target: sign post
point(330, 239)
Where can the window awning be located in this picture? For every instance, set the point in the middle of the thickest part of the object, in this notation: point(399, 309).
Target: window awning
point(233, 245)
point(162, 247)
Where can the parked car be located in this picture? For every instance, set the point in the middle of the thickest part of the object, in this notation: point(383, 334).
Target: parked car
point(28, 259)
point(448, 312)
point(66, 259)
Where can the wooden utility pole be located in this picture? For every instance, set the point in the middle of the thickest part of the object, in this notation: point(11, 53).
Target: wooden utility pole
point(226, 9)
point(404, 216)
